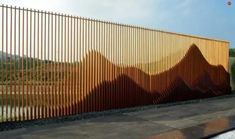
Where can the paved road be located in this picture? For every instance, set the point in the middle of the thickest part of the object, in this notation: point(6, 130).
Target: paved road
point(193, 120)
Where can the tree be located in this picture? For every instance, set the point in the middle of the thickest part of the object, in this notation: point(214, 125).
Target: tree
point(233, 72)
point(232, 52)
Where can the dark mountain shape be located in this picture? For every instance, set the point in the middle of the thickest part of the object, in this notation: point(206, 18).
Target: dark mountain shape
point(180, 91)
point(102, 85)
point(204, 82)
point(107, 86)
point(189, 69)
point(124, 92)
point(120, 93)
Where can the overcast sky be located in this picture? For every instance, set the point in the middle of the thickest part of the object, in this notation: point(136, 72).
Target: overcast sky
point(209, 18)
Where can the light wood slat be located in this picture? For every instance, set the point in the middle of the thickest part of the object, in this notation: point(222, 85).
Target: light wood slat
point(56, 65)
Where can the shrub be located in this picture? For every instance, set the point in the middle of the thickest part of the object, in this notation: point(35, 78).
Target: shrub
point(232, 52)
point(233, 72)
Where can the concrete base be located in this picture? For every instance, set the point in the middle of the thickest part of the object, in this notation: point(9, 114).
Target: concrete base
point(193, 120)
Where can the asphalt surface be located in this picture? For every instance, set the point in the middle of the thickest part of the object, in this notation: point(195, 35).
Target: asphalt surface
point(192, 120)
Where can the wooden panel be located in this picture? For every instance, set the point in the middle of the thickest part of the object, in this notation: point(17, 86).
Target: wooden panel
point(56, 65)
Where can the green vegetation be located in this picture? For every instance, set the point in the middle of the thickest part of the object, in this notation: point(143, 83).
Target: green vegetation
point(15, 71)
point(233, 72)
point(232, 52)
point(32, 99)
point(7, 99)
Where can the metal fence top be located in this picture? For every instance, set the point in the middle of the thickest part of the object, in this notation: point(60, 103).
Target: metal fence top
point(113, 23)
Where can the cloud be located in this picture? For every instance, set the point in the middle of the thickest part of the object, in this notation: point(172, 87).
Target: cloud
point(115, 10)
point(126, 11)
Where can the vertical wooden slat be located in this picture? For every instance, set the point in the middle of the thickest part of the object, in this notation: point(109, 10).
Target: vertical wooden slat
point(55, 70)
point(76, 65)
point(26, 67)
point(85, 66)
point(118, 59)
point(2, 61)
point(48, 69)
point(98, 28)
point(15, 78)
point(98, 62)
point(106, 62)
point(71, 65)
point(92, 64)
point(106, 104)
point(10, 64)
point(6, 70)
point(113, 101)
point(50, 64)
point(53, 98)
point(55, 79)
point(40, 68)
point(23, 94)
point(66, 66)
point(74, 68)
point(18, 69)
point(94, 49)
point(103, 63)
point(59, 70)
point(30, 70)
point(81, 65)
point(54, 67)
point(39, 92)
point(88, 65)
point(34, 72)
point(44, 53)
point(62, 66)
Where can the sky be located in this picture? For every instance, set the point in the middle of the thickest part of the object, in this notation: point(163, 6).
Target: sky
point(207, 18)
